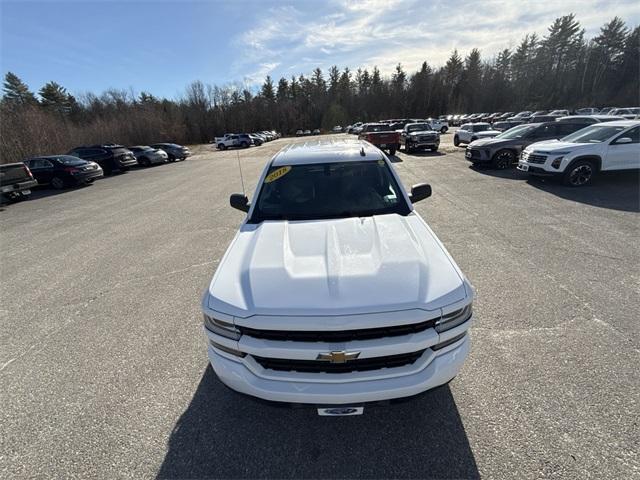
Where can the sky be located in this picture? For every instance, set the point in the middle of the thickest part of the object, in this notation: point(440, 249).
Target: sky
point(160, 46)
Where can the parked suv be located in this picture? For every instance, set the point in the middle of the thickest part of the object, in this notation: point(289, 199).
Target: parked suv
point(62, 171)
point(503, 150)
point(355, 301)
point(469, 132)
point(110, 157)
point(16, 181)
point(577, 158)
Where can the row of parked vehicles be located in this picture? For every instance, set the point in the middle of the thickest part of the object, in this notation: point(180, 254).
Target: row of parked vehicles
point(244, 140)
point(409, 134)
point(82, 165)
point(572, 151)
point(435, 124)
point(527, 116)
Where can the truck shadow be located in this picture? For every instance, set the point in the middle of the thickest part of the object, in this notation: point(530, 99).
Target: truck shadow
point(223, 434)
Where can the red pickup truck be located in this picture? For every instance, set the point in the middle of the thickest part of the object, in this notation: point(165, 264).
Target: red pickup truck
point(382, 136)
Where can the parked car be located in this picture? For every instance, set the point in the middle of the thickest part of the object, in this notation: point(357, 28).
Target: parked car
point(299, 133)
point(587, 111)
point(381, 135)
point(61, 171)
point(521, 115)
point(606, 110)
point(438, 125)
point(256, 140)
point(418, 136)
point(577, 158)
point(542, 118)
point(506, 124)
point(173, 151)
point(503, 150)
point(589, 119)
point(307, 132)
point(316, 131)
point(355, 260)
point(241, 140)
point(352, 128)
point(469, 132)
point(16, 181)
point(559, 113)
point(629, 113)
point(337, 129)
point(109, 156)
point(148, 156)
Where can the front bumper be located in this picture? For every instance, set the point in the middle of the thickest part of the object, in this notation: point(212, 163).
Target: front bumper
point(536, 170)
point(476, 155)
point(423, 143)
point(90, 175)
point(432, 369)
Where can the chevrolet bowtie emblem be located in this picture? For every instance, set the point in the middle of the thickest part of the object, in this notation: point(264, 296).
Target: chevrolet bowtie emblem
point(338, 357)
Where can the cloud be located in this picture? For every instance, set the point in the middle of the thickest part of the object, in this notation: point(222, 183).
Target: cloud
point(385, 32)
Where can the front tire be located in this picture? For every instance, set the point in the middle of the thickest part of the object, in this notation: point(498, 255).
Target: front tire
point(58, 183)
point(221, 146)
point(456, 141)
point(443, 130)
point(503, 159)
point(579, 174)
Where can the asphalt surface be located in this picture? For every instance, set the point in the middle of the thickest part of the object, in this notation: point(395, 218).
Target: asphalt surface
point(103, 367)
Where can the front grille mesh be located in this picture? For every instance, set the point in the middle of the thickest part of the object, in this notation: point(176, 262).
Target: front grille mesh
point(338, 336)
point(357, 365)
point(532, 158)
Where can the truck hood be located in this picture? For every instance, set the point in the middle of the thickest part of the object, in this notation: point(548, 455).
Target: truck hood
point(335, 267)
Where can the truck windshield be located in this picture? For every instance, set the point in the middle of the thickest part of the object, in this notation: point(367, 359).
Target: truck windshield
point(418, 127)
point(593, 134)
point(329, 190)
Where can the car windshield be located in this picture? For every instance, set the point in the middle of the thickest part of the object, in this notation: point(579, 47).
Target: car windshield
point(516, 132)
point(329, 190)
point(593, 134)
point(418, 127)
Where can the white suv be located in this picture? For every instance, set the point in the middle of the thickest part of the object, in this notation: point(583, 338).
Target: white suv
point(576, 158)
point(335, 291)
point(469, 132)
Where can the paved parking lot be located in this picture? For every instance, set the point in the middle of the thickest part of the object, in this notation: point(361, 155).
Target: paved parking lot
point(103, 368)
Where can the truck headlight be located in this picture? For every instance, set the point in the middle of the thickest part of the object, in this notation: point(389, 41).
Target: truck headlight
point(221, 328)
point(453, 319)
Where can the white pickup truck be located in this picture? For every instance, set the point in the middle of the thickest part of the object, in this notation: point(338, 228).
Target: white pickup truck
point(576, 158)
point(438, 125)
point(335, 292)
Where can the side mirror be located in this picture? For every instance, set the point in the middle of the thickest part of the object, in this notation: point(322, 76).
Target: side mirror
point(239, 201)
point(623, 140)
point(420, 192)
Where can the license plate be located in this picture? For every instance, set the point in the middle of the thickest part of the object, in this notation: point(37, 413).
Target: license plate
point(340, 411)
point(524, 168)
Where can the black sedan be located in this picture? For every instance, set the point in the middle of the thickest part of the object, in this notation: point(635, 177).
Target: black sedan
point(62, 171)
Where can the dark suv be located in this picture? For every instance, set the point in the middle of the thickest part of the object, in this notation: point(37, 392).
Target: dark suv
point(109, 156)
point(503, 150)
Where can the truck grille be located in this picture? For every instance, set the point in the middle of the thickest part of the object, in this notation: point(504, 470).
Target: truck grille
point(357, 365)
point(532, 158)
point(338, 336)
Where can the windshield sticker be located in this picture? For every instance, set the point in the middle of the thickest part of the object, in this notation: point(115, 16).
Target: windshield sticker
point(381, 163)
point(276, 174)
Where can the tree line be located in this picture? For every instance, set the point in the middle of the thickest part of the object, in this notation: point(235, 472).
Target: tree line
point(562, 69)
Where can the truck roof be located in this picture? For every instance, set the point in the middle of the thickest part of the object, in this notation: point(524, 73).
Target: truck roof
point(327, 151)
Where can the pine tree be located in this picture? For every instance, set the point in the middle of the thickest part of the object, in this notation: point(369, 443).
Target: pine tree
point(55, 97)
point(15, 91)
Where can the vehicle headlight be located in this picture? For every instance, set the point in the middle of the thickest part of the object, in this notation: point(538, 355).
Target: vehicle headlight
point(556, 162)
point(453, 319)
point(221, 328)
